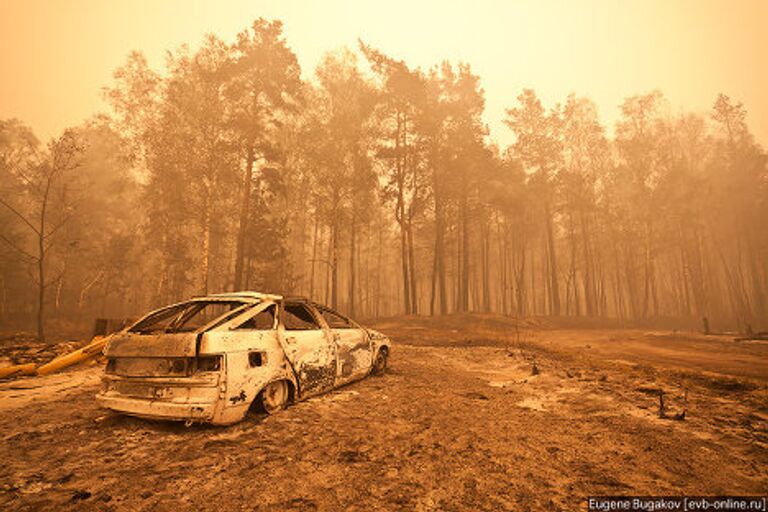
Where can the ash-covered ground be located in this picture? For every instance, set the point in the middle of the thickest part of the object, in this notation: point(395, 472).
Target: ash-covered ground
point(461, 421)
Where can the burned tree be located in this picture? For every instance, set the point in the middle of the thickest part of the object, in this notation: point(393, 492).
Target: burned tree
point(45, 200)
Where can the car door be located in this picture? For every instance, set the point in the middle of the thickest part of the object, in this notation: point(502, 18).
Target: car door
point(354, 348)
point(248, 343)
point(307, 346)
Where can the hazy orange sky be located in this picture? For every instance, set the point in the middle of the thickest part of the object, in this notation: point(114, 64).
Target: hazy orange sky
point(55, 56)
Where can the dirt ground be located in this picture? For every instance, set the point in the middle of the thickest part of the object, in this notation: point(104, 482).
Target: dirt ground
point(459, 422)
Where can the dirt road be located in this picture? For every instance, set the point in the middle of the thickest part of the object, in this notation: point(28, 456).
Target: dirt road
point(458, 423)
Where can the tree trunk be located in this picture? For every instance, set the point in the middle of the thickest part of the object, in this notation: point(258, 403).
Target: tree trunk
point(534, 297)
point(405, 269)
point(3, 297)
point(378, 272)
point(412, 272)
point(41, 262)
point(315, 235)
point(649, 288)
point(554, 291)
point(41, 290)
point(520, 294)
point(485, 269)
point(400, 212)
point(573, 272)
point(352, 276)
point(439, 263)
point(464, 283)
point(206, 249)
point(244, 218)
point(433, 288)
point(503, 270)
point(334, 266)
point(589, 266)
point(328, 259)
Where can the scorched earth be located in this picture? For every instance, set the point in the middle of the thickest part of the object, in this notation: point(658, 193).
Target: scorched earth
point(474, 413)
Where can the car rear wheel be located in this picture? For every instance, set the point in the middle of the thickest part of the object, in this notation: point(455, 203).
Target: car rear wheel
point(274, 396)
point(380, 363)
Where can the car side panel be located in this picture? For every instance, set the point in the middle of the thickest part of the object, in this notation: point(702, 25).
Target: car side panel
point(312, 355)
point(355, 356)
point(313, 358)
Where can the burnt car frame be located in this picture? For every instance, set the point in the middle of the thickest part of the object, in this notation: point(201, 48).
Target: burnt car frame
point(209, 359)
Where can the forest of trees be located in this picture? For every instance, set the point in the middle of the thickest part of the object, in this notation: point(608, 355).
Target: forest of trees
point(374, 187)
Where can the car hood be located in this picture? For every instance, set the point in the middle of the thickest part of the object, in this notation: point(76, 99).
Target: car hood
point(376, 335)
point(134, 344)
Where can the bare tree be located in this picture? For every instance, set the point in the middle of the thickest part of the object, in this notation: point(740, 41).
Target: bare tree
point(45, 206)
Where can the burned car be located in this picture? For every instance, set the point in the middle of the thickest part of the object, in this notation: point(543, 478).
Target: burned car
point(209, 359)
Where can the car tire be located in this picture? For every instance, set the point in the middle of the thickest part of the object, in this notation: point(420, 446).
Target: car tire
point(274, 396)
point(379, 363)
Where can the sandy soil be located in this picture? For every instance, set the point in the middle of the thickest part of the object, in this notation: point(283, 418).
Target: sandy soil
point(459, 422)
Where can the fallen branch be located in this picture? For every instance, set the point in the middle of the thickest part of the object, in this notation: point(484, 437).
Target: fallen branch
point(93, 349)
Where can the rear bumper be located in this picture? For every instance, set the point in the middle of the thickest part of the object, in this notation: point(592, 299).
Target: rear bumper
point(156, 409)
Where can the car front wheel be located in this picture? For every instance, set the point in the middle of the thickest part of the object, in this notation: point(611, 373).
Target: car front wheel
point(380, 363)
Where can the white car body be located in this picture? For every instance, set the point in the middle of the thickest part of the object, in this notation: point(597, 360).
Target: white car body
point(177, 363)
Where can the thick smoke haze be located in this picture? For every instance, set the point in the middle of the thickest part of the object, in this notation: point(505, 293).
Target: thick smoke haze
point(58, 55)
point(331, 255)
point(496, 159)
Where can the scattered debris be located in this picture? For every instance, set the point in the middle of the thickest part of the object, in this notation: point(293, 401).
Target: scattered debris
point(648, 390)
point(17, 370)
point(24, 348)
point(475, 395)
point(89, 351)
point(758, 336)
point(668, 414)
point(68, 358)
point(64, 479)
point(80, 496)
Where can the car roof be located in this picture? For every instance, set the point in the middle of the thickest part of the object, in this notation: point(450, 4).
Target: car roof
point(296, 298)
point(251, 296)
point(245, 295)
point(258, 296)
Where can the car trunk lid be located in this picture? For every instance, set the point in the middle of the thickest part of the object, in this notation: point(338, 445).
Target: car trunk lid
point(135, 344)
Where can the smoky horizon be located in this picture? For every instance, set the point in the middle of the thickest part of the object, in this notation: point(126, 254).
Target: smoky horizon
point(374, 186)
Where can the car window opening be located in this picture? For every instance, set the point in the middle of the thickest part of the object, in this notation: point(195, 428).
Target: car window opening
point(335, 321)
point(256, 359)
point(187, 317)
point(262, 321)
point(299, 318)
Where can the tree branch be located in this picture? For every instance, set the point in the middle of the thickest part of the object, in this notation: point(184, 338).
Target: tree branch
point(58, 226)
point(88, 286)
point(55, 279)
point(19, 215)
point(17, 248)
point(29, 182)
